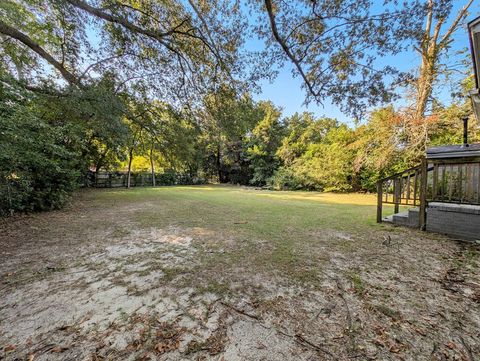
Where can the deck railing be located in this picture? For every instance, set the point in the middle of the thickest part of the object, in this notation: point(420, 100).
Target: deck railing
point(439, 180)
point(404, 188)
point(455, 182)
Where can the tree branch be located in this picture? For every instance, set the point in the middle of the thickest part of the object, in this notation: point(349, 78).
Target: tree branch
point(286, 49)
point(455, 23)
point(29, 42)
point(91, 66)
point(99, 13)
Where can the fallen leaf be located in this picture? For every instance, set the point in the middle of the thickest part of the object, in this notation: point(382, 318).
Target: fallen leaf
point(161, 348)
point(421, 331)
point(395, 349)
point(9, 348)
point(58, 349)
point(379, 342)
point(451, 345)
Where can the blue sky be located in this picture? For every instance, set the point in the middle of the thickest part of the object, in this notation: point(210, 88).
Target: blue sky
point(286, 91)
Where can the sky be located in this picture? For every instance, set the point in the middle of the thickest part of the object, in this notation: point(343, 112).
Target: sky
point(286, 91)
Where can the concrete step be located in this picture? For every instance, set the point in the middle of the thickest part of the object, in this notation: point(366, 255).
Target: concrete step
point(413, 217)
point(408, 218)
point(401, 218)
point(388, 219)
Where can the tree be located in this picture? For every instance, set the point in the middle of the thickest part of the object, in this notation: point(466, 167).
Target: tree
point(335, 45)
point(379, 148)
point(226, 119)
point(263, 144)
point(317, 155)
point(38, 161)
point(177, 49)
point(100, 95)
point(433, 45)
point(327, 165)
point(301, 130)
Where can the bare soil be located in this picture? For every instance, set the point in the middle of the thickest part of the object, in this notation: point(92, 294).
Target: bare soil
point(91, 282)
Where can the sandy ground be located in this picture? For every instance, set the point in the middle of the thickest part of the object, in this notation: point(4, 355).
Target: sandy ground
point(85, 284)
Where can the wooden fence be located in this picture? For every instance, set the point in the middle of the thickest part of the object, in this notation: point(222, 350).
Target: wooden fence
point(139, 179)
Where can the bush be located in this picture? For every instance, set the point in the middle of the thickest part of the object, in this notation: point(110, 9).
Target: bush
point(167, 178)
point(285, 179)
point(36, 168)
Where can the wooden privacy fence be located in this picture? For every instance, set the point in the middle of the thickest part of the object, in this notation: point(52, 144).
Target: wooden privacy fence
point(442, 180)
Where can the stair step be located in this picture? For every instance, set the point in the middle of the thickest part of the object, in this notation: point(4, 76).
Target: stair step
point(408, 218)
point(401, 218)
point(388, 219)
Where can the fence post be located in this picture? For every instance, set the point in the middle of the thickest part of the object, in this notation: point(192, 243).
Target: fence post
point(423, 195)
point(396, 194)
point(379, 201)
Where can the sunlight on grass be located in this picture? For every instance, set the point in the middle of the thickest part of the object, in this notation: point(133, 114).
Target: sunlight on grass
point(365, 199)
point(335, 198)
point(260, 213)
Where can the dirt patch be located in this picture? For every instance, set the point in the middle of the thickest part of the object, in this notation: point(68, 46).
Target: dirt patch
point(96, 288)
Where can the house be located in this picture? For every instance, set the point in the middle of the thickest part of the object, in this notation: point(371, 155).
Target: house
point(443, 193)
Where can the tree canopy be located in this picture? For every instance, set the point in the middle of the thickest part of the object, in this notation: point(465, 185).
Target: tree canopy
point(168, 87)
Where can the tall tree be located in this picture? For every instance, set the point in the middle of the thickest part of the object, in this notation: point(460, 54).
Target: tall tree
point(263, 143)
point(334, 46)
point(177, 48)
point(433, 45)
point(227, 117)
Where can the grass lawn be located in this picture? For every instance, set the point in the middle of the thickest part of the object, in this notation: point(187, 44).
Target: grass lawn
point(232, 273)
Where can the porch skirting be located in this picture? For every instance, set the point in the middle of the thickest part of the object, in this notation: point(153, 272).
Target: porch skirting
point(455, 220)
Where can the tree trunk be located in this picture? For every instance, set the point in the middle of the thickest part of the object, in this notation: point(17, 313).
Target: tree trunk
point(152, 166)
point(99, 164)
point(430, 49)
point(130, 154)
point(219, 165)
point(425, 81)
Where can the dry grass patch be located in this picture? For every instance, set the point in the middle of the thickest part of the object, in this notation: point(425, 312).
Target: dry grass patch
point(232, 273)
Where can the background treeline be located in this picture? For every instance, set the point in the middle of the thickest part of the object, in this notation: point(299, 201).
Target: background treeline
point(244, 142)
point(165, 87)
point(230, 139)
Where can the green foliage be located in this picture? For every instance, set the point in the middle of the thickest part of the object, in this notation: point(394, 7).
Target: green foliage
point(162, 92)
point(168, 177)
point(336, 46)
point(379, 148)
point(263, 144)
point(37, 170)
point(317, 155)
point(227, 120)
point(285, 179)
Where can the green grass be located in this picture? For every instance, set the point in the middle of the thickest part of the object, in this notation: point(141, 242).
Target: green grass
point(357, 282)
point(262, 212)
point(272, 232)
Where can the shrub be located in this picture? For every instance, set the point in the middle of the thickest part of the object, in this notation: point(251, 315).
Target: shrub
point(36, 169)
point(284, 179)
